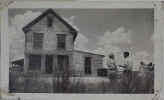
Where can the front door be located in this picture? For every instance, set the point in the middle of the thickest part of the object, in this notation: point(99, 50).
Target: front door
point(63, 63)
point(87, 65)
point(49, 64)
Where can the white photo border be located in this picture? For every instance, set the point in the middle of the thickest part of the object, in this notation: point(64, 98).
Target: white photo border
point(158, 48)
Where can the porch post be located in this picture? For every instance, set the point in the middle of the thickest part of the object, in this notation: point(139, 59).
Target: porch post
point(26, 63)
point(43, 67)
point(54, 68)
point(71, 63)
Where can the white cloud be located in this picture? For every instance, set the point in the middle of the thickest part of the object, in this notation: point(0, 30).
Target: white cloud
point(16, 43)
point(81, 40)
point(80, 43)
point(119, 36)
point(21, 20)
point(16, 34)
point(71, 21)
point(110, 43)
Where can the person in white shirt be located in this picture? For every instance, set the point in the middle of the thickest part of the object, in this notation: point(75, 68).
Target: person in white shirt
point(128, 62)
point(111, 62)
point(127, 73)
point(112, 67)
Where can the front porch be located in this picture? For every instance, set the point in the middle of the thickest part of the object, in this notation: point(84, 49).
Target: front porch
point(48, 62)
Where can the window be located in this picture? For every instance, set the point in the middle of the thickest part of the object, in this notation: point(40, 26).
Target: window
point(38, 40)
point(49, 64)
point(87, 65)
point(63, 63)
point(61, 42)
point(34, 62)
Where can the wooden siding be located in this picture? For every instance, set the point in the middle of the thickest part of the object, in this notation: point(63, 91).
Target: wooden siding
point(76, 58)
point(50, 38)
point(78, 61)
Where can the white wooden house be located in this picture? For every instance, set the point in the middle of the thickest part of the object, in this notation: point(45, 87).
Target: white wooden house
point(49, 47)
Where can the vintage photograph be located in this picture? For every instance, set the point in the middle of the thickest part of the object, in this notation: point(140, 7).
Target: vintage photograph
point(86, 51)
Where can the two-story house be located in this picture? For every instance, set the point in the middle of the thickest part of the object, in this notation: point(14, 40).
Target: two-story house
point(49, 47)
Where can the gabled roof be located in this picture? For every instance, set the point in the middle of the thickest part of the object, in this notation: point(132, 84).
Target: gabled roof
point(72, 30)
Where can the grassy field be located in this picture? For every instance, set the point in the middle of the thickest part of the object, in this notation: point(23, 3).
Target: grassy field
point(140, 83)
point(118, 83)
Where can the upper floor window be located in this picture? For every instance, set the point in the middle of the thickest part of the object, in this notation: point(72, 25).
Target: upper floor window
point(61, 41)
point(38, 40)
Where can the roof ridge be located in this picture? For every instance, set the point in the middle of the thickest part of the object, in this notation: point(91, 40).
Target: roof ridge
point(26, 28)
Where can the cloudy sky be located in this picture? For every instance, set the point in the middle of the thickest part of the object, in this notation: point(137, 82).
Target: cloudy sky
point(100, 30)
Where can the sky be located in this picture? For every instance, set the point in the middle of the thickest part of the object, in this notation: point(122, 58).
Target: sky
point(101, 31)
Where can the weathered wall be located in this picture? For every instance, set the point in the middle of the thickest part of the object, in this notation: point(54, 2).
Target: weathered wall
point(50, 38)
point(78, 61)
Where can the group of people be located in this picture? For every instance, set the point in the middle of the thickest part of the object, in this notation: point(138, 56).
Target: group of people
point(127, 75)
point(127, 66)
point(127, 72)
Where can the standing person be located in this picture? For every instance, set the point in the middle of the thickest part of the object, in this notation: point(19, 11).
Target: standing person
point(142, 67)
point(127, 73)
point(111, 62)
point(112, 72)
point(128, 63)
point(150, 66)
point(144, 81)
